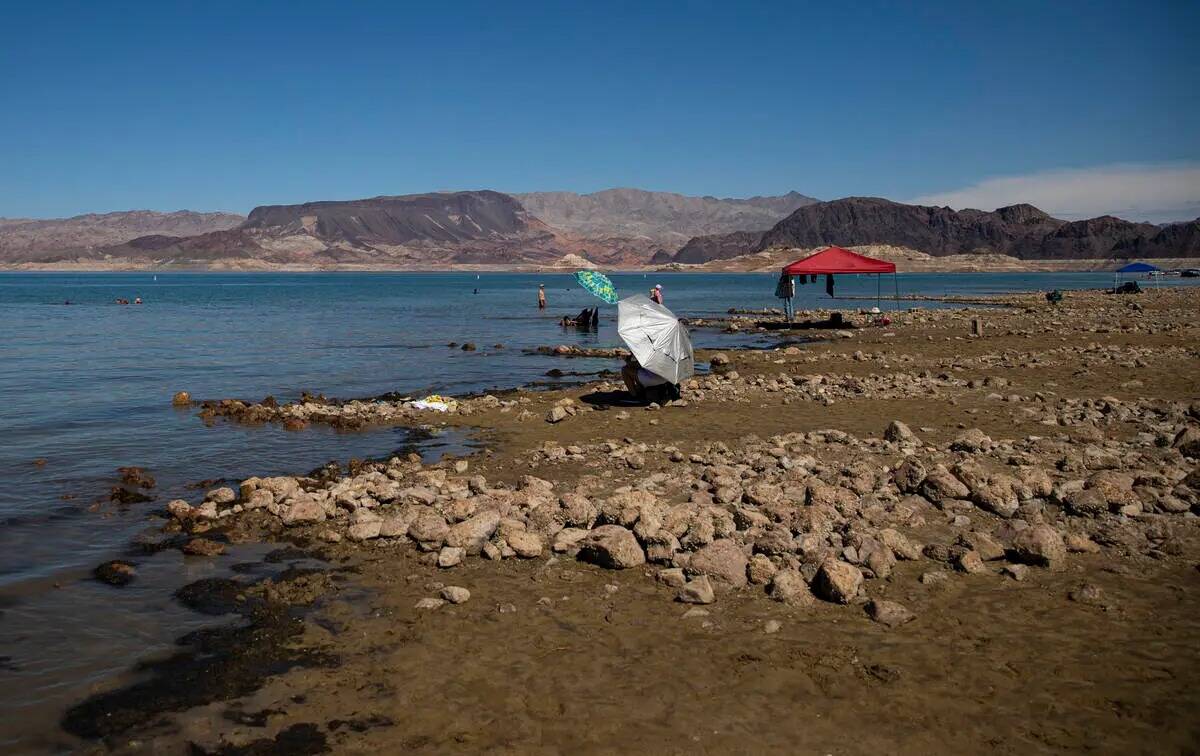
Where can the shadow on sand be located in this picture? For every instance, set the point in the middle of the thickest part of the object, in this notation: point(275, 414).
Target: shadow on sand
point(606, 399)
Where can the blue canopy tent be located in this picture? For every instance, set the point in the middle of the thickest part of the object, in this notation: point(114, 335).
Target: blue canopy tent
point(1137, 267)
point(1133, 268)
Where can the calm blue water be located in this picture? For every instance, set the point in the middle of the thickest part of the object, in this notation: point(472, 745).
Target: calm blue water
point(88, 387)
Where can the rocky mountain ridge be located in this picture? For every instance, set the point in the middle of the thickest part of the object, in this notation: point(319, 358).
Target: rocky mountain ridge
point(1020, 231)
point(616, 228)
point(406, 230)
point(622, 227)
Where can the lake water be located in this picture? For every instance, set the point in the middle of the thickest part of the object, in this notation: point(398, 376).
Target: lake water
point(87, 388)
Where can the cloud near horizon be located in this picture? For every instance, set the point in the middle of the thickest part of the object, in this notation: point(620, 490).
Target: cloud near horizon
point(1153, 193)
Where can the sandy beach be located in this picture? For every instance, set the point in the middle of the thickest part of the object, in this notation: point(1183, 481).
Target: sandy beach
point(902, 538)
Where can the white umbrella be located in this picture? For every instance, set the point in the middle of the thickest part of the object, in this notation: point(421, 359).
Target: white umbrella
point(656, 337)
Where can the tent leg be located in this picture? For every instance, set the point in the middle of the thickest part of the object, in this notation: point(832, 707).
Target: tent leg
point(896, 284)
point(878, 303)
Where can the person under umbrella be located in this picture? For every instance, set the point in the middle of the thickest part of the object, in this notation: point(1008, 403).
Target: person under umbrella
point(662, 355)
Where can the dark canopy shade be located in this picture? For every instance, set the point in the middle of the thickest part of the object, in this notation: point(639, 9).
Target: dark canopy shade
point(1138, 267)
point(838, 260)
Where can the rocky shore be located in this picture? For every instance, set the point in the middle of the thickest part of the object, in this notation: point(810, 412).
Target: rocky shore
point(999, 467)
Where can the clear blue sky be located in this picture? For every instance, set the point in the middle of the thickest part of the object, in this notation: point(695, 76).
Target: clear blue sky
point(109, 106)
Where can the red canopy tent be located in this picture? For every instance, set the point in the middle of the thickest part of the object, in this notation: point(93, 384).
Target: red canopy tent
point(838, 260)
point(829, 261)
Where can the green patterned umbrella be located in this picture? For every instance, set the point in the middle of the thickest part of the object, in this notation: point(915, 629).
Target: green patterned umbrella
point(598, 284)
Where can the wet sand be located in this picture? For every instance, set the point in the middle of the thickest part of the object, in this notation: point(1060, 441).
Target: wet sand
point(552, 655)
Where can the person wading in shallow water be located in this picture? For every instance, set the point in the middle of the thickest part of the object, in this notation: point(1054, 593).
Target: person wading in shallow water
point(541, 296)
point(656, 294)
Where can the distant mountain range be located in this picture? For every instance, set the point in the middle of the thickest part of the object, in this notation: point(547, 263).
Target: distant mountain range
point(665, 219)
point(24, 239)
point(1021, 231)
point(613, 228)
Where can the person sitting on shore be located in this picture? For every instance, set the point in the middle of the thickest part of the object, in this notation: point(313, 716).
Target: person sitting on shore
point(646, 386)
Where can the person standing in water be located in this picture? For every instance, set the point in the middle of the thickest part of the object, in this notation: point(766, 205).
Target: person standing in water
point(656, 294)
point(541, 296)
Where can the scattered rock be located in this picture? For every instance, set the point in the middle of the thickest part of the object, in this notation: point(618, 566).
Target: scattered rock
point(722, 560)
point(203, 547)
point(837, 581)
point(899, 433)
point(1041, 546)
point(889, 613)
point(1089, 594)
point(115, 572)
point(698, 590)
point(612, 546)
point(456, 594)
point(526, 545)
point(970, 563)
point(473, 532)
point(789, 587)
point(1018, 572)
point(221, 496)
point(136, 477)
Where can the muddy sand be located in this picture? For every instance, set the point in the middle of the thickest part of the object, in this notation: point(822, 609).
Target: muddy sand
point(900, 539)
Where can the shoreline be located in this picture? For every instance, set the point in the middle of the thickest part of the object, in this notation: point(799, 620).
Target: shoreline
point(607, 462)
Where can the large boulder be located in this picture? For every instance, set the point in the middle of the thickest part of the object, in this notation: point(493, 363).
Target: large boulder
point(723, 560)
point(612, 546)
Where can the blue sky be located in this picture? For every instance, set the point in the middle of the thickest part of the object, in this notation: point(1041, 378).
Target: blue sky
point(110, 106)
